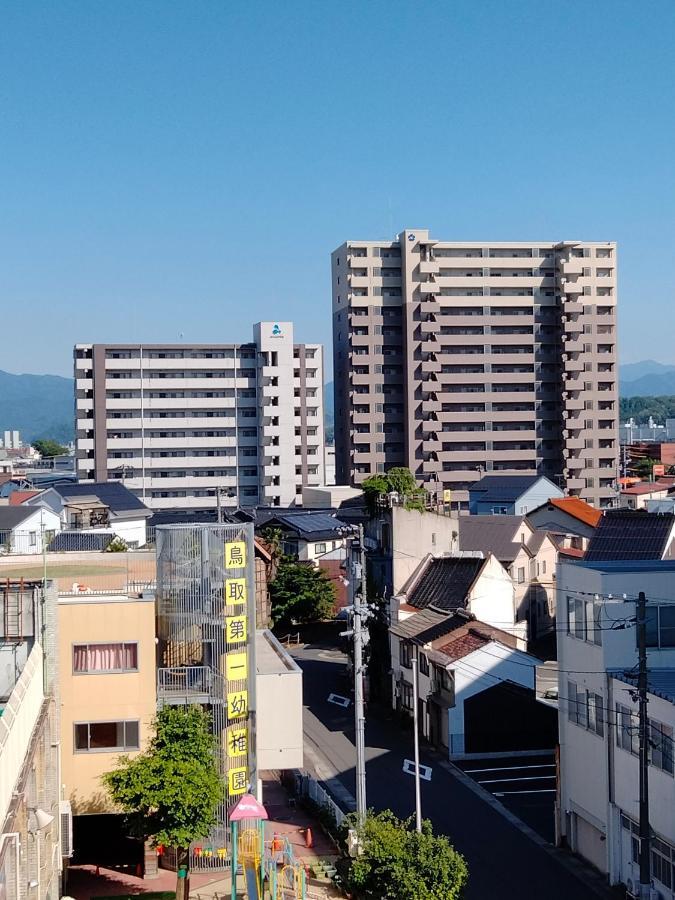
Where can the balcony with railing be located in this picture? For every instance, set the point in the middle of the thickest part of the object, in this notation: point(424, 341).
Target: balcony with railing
point(183, 685)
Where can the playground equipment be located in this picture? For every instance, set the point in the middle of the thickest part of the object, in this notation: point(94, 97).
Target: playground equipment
point(250, 856)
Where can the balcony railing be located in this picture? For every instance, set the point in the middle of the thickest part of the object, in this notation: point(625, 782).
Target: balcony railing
point(189, 684)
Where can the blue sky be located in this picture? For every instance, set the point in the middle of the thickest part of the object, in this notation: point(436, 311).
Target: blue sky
point(173, 168)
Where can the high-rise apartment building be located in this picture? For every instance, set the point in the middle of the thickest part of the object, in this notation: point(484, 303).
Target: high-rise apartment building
point(177, 422)
point(457, 359)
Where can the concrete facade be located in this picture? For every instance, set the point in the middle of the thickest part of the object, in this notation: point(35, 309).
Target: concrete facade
point(175, 422)
point(452, 358)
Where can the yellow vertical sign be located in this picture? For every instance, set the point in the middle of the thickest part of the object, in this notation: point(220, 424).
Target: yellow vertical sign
point(237, 705)
point(235, 591)
point(237, 781)
point(236, 666)
point(235, 555)
point(237, 742)
point(235, 629)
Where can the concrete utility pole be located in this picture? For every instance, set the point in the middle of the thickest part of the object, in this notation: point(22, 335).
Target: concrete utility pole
point(359, 714)
point(645, 831)
point(418, 792)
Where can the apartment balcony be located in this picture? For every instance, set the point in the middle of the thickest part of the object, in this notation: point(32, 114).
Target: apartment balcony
point(431, 465)
point(431, 425)
point(430, 386)
point(573, 325)
point(572, 343)
point(572, 288)
point(576, 464)
point(575, 484)
point(362, 418)
point(357, 379)
point(573, 404)
point(359, 281)
point(359, 340)
point(429, 267)
point(429, 289)
point(183, 685)
point(572, 267)
point(430, 365)
point(574, 444)
point(573, 365)
point(428, 328)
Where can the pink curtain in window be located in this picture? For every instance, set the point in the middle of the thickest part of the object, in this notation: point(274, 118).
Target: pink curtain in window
point(104, 657)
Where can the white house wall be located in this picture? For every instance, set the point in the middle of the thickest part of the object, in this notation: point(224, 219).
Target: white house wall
point(27, 536)
point(491, 599)
point(132, 531)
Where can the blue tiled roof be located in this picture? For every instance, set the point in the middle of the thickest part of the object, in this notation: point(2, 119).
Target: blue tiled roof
point(113, 494)
point(660, 682)
point(308, 523)
point(630, 534)
point(503, 487)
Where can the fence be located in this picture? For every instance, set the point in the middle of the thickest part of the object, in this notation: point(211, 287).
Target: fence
point(309, 787)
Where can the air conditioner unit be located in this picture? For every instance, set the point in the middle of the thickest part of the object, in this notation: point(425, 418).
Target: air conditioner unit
point(66, 827)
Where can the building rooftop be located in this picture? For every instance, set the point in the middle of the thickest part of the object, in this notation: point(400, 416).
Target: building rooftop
point(499, 535)
point(646, 488)
point(463, 645)
point(113, 494)
point(11, 516)
point(505, 487)
point(578, 509)
point(311, 524)
point(270, 656)
point(630, 535)
point(444, 582)
point(429, 625)
point(660, 682)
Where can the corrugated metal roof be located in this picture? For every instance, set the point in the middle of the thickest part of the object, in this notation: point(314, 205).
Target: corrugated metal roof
point(309, 523)
point(76, 541)
point(428, 625)
point(630, 535)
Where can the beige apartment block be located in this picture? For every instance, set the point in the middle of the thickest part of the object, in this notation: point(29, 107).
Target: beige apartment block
point(108, 689)
point(178, 422)
point(457, 359)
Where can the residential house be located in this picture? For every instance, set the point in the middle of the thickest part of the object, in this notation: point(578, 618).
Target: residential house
point(632, 534)
point(598, 790)
point(638, 495)
point(510, 495)
point(570, 520)
point(98, 508)
point(34, 824)
point(528, 555)
point(473, 682)
point(27, 530)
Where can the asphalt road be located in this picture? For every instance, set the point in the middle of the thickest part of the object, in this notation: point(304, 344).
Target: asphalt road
point(503, 862)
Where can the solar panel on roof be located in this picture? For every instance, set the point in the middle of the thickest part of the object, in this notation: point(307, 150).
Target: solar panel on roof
point(630, 535)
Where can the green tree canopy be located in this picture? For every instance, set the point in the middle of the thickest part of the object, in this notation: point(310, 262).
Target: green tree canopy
point(397, 863)
point(399, 479)
point(48, 448)
point(641, 408)
point(170, 793)
point(300, 593)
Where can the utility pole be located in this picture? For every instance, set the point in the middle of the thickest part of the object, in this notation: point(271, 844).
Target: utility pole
point(218, 506)
point(418, 792)
point(645, 832)
point(359, 714)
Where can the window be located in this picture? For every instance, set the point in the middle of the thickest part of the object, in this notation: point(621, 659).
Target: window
point(627, 736)
point(585, 708)
point(406, 695)
point(583, 619)
point(91, 737)
point(320, 547)
point(101, 658)
point(661, 746)
point(660, 626)
point(521, 575)
point(424, 664)
point(404, 655)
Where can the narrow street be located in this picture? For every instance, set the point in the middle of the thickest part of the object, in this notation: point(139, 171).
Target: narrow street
point(503, 862)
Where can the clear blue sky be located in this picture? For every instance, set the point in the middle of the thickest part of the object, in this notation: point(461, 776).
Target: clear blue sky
point(187, 167)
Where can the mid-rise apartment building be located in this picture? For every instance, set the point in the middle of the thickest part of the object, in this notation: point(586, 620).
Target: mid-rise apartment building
point(457, 359)
point(177, 422)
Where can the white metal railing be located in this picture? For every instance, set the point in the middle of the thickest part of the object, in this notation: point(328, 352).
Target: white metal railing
point(19, 717)
point(307, 786)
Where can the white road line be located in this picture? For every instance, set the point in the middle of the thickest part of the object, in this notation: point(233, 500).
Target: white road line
point(509, 768)
point(531, 778)
point(542, 791)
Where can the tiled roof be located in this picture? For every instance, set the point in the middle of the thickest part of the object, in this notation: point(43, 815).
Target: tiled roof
point(645, 488)
point(503, 487)
point(112, 494)
point(630, 535)
point(578, 509)
point(429, 625)
point(12, 516)
point(493, 534)
point(16, 498)
point(464, 645)
point(445, 582)
point(309, 523)
point(571, 551)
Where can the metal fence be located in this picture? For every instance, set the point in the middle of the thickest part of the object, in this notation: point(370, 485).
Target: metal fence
point(307, 786)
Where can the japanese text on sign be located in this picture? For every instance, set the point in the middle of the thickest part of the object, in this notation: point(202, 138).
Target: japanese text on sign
point(236, 666)
point(235, 629)
point(237, 781)
point(237, 742)
point(235, 555)
point(237, 705)
point(235, 590)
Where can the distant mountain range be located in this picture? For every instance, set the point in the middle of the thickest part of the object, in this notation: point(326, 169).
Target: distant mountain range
point(39, 406)
point(646, 379)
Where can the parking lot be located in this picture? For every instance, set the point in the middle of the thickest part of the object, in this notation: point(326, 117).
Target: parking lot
point(526, 785)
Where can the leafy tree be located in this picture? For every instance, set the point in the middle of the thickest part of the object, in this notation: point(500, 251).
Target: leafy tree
point(641, 408)
point(170, 793)
point(643, 467)
point(48, 448)
point(397, 479)
point(397, 863)
point(301, 593)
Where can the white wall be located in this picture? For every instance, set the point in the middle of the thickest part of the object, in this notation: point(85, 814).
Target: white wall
point(414, 534)
point(132, 531)
point(491, 599)
point(479, 671)
point(27, 536)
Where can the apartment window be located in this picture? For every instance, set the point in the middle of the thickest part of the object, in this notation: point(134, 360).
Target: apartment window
point(105, 658)
point(406, 695)
point(405, 654)
point(585, 708)
point(660, 626)
point(583, 619)
point(320, 547)
point(521, 575)
point(661, 746)
point(424, 664)
point(91, 737)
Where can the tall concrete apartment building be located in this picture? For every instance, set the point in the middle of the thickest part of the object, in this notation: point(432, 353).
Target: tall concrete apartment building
point(176, 422)
point(460, 359)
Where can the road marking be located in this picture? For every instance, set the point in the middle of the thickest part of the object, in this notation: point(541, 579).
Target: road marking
point(409, 769)
point(508, 768)
point(338, 700)
point(530, 778)
point(542, 791)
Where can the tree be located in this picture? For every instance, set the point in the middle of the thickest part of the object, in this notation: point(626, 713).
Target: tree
point(301, 593)
point(398, 479)
point(170, 793)
point(48, 448)
point(397, 863)
point(643, 467)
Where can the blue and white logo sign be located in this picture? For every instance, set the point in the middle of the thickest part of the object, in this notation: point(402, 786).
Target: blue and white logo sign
point(411, 237)
point(276, 330)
